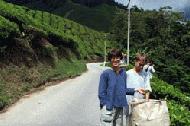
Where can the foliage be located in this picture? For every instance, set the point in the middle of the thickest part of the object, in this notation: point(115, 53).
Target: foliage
point(179, 114)
point(163, 38)
point(163, 90)
point(7, 28)
point(178, 102)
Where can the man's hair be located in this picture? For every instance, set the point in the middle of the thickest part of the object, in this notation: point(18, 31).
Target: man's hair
point(115, 53)
point(140, 56)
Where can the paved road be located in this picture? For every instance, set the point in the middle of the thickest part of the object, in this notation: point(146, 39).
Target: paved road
point(71, 103)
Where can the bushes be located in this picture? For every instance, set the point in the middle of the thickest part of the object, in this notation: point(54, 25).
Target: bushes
point(179, 114)
point(178, 103)
point(164, 90)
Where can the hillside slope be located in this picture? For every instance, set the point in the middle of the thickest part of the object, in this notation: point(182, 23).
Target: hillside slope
point(37, 47)
point(98, 17)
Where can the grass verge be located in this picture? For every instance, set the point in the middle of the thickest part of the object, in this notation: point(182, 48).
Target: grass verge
point(16, 81)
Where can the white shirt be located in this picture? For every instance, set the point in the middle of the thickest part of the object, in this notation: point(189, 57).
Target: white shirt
point(135, 80)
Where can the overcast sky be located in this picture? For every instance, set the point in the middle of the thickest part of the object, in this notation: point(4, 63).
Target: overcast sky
point(156, 4)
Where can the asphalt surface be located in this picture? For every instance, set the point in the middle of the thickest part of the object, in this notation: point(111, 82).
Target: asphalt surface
point(73, 102)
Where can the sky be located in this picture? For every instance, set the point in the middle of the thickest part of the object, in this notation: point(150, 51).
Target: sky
point(156, 4)
point(177, 5)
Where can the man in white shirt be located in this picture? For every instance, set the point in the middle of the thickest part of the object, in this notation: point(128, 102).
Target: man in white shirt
point(136, 76)
point(135, 79)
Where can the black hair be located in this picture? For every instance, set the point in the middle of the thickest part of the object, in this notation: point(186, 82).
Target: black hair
point(115, 53)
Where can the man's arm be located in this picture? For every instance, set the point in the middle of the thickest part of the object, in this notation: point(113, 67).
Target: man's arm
point(130, 91)
point(102, 89)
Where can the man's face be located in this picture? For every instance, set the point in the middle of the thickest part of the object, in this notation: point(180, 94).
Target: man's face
point(115, 61)
point(139, 65)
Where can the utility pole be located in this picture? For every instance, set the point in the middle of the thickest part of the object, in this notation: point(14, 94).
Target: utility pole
point(105, 51)
point(128, 37)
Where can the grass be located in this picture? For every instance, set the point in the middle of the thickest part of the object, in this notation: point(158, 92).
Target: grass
point(17, 81)
point(62, 69)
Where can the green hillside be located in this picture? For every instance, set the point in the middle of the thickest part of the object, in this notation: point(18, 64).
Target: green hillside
point(54, 26)
point(37, 47)
point(98, 17)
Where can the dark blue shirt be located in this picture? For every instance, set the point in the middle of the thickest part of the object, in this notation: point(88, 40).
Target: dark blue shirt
point(112, 89)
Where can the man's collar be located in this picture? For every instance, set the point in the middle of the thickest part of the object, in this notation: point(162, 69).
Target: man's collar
point(120, 71)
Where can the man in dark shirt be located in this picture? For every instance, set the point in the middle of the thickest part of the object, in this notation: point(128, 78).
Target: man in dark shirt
point(112, 91)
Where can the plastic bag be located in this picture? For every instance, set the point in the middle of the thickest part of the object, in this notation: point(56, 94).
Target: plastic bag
point(149, 113)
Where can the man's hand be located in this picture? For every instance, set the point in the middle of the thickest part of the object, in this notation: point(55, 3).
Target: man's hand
point(141, 90)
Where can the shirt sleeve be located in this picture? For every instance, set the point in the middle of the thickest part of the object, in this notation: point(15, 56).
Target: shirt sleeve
point(129, 91)
point(102, 89)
